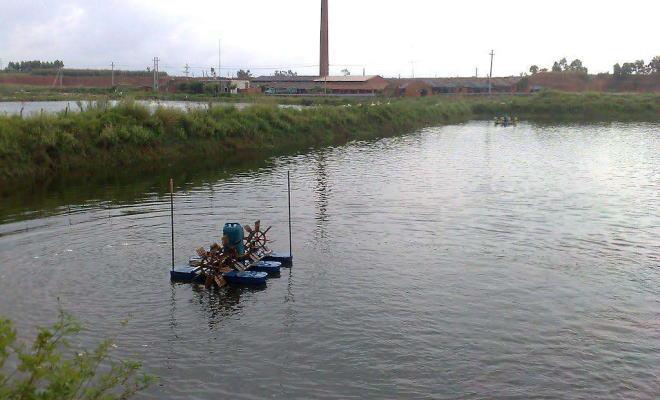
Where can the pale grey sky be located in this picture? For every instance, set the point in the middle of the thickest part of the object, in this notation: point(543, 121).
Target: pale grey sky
point(443, 38)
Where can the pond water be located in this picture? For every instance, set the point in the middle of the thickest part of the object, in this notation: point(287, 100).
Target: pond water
point(36, 107)
point(465, 261)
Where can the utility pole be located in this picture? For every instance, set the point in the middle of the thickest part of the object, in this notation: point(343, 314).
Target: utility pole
point(476, 72)
point(490, 77)
point(186, 70)
point(156, 60)
point(113, 74)
point(219, 59)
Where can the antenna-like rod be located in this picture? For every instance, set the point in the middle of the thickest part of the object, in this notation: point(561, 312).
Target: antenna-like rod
point(288, 184)
point(172, 217)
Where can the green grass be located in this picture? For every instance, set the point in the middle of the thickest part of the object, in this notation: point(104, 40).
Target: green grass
point(128, 135)
point(573, 106)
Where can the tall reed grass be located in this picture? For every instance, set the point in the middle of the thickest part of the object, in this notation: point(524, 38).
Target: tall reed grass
point(128, 134)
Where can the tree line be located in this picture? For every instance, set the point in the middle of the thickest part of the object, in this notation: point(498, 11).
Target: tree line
point(638, 67)
point(28, 66)
point(562, 66)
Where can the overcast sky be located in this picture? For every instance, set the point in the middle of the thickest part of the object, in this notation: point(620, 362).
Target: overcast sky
point(436, 37)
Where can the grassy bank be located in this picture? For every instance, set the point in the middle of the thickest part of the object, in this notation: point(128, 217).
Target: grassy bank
point(100, 138)
point(559, 106)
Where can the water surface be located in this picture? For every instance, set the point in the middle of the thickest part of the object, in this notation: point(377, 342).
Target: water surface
point(464, 261)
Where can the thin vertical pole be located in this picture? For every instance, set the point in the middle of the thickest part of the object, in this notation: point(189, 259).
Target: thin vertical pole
point(288, 183)
point(490, 76)
point(172, 217)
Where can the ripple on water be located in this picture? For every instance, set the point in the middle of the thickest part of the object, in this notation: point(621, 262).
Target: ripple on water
point(460, 262)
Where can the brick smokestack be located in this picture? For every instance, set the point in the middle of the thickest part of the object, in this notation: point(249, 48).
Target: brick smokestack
point(324, 69)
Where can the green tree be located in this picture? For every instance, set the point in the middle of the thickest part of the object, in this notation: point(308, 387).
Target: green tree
point(616, 70)
point(286, 73)
point(534, 69)
point(576, 66)
point(627, 69)
point(28, 66)
point(640, 67)
point(563, 64)
point(245, 75)
point(556, 67)
point(654, 65)
point(50, 369)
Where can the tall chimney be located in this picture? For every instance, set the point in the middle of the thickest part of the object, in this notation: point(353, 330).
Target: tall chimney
point(324, 66)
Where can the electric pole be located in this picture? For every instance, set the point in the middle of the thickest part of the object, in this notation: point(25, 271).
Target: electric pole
point(112, 66)
point(186, 70)
point(490, 77)
point(156, 60)
point(219, 59)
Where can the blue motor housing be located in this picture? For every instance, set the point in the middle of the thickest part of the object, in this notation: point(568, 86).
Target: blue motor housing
point(234, 233)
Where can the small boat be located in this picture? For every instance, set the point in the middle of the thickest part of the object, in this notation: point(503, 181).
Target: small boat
point(272, 268)
point(246, 278)
point(506, 121)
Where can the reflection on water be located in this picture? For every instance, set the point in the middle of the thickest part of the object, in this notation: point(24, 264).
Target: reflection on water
point(321, 193)
point(465, 261)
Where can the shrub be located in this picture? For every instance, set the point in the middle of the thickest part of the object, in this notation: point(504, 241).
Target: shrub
point(50, 369)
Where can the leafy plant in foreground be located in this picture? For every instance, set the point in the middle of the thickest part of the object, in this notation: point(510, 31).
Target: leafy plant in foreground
point(51, 369)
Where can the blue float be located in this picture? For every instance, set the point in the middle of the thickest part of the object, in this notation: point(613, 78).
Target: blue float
point(285, 258)
point(184, 274)
point(272, 268)
point(246, 278)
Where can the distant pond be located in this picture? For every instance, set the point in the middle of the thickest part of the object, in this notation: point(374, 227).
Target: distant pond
point(35, 107)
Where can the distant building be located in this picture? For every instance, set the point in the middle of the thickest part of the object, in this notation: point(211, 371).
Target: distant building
point(414, 88)
point(234, 85)
point(409, 87)
point(369, 85)
point(221, 85)
point(358, 85)
point(286, 84)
